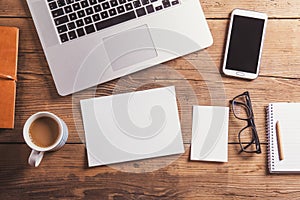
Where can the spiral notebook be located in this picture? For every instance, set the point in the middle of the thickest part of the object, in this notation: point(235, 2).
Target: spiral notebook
point(287, 114)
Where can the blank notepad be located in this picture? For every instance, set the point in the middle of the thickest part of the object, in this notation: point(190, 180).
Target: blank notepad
point(210, 133)
point(288, 116)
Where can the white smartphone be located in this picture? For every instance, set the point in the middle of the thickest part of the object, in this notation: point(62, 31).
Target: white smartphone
point(244, 43)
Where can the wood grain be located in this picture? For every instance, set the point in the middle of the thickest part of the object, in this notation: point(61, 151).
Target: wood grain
point(212, 9)
point(280, 56)
point(203, 85)
point(65, 175)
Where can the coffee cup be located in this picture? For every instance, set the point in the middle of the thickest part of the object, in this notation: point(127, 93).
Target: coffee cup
point(42, 132)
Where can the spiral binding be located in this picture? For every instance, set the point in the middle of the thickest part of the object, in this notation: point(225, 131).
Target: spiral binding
point(270, 138)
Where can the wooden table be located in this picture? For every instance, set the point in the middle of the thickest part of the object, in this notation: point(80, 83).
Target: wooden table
point(65, 175)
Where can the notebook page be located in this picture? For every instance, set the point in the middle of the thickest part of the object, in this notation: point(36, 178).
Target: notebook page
point(288, 116)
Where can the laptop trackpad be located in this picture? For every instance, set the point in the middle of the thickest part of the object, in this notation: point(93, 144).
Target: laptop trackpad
point(130, 47)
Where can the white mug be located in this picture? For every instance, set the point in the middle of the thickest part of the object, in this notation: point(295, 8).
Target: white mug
point(37, 152)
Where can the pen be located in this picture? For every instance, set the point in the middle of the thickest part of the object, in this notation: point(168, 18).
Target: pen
point(279, 141)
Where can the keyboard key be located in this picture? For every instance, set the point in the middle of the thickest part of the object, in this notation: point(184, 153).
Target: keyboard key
point(80, 32)
point(113, 3)
point(145, 2)
point(70, 1)
point(97, 8)
point(58, 12)
point(61, 3)
point(52, 5)
point(175, 2)
point(112, 12)
point(166, 3)
point(76, 6)
point(93, 2)
point(141, 12)
point(68, 9)
point(128, 6)
point(79, 23)
point(72, 35)
point(73, 16)
point(105, 6)
point(104, 14)
point(88, 20)
point(89, 29)
point(84, 4)
point(115, 20)
point(158, 8)
point(137, 4)
point(153, 1)
point(62, 28)
point(96, 17)
point(122, 1)
point(61, 20)
point(71, 25)
point(80, 13)
point(89, 11)
point(150, 8)
point(64, 37)
point(120, 9)
point(101, 1)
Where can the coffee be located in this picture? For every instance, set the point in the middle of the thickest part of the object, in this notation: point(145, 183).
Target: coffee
point(44, 132)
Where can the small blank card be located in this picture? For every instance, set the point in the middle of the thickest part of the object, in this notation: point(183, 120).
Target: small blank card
point(210, 133)
point(132, 126)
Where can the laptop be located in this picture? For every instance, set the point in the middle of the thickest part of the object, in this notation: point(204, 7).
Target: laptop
point(88, 42)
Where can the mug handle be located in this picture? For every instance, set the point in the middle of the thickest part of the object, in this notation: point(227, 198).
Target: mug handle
point(35, 158)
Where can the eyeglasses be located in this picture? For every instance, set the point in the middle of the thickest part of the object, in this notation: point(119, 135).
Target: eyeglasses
point(242, 110)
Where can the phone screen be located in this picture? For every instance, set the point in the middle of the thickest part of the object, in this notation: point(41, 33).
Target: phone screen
point(245, 43)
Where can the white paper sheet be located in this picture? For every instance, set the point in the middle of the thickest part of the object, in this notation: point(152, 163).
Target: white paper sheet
point(210, 133)
point(132, 126)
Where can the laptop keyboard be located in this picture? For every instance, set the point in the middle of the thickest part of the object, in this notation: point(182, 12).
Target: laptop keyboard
point(77, 18)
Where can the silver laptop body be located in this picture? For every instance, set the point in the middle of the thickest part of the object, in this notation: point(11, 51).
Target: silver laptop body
point(87, 42)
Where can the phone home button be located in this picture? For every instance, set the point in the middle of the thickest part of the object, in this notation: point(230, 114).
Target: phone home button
point(240, 73)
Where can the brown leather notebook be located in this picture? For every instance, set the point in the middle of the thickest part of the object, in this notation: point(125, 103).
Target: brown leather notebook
point(9, 37)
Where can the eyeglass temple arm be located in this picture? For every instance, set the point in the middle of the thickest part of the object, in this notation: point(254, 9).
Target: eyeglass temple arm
point(248, 100)
point(239, 103)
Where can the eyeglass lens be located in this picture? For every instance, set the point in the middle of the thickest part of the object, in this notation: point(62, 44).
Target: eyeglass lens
point(247, 138)
point(241, 108)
